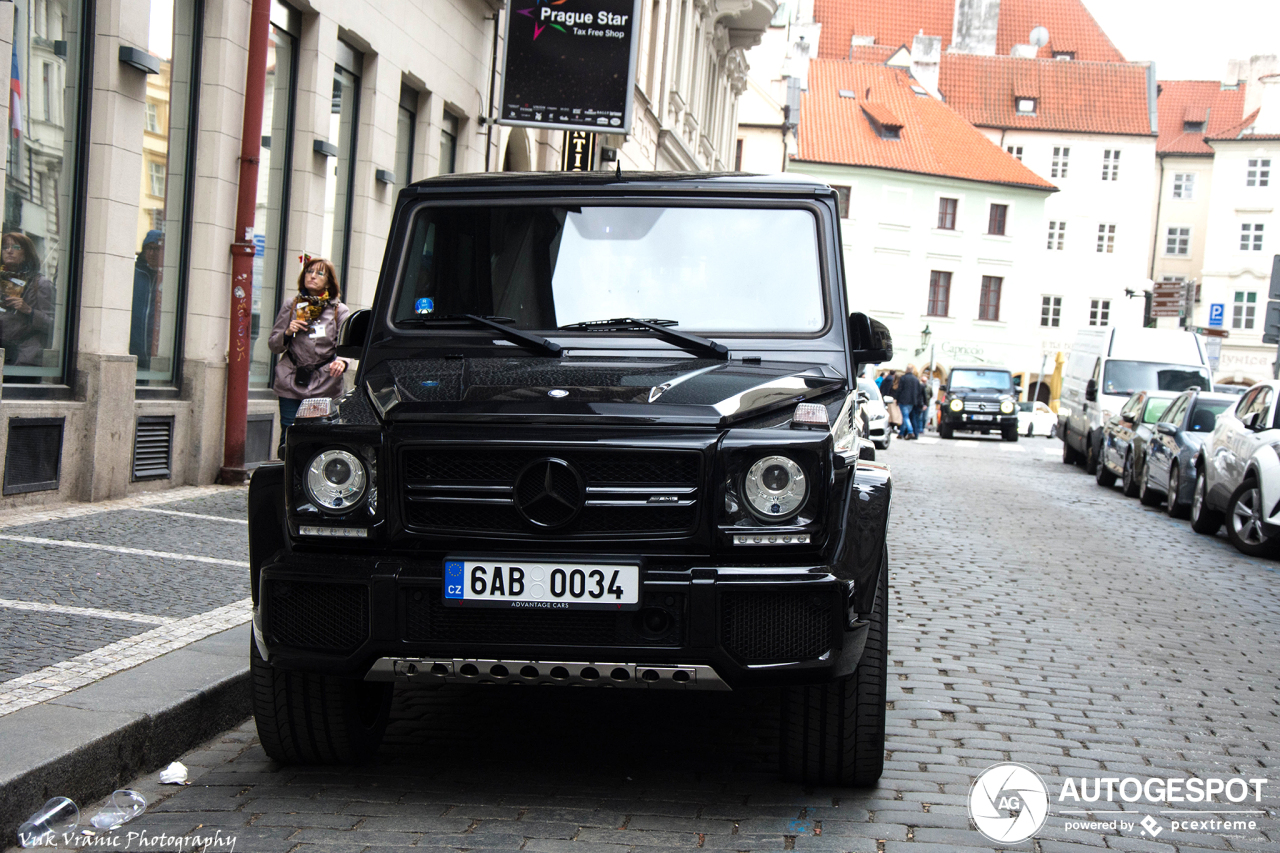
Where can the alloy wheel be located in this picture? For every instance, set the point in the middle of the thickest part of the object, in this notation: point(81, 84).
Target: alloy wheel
point(1246, 517)
point(1171, 495)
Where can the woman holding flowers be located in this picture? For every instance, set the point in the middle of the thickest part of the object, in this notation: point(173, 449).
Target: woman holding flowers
point(305, 335)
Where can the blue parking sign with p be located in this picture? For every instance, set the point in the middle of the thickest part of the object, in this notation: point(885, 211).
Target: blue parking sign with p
point(1216, 312)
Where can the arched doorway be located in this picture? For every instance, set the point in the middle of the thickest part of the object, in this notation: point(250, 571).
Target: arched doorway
point(517, 158)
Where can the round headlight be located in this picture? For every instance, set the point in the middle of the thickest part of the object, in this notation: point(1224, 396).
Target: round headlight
point(775, 487)
point(1006, 408)
point(956, 404)
point(335, 480)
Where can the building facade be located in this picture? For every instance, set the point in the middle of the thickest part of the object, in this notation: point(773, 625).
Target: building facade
point(1241, 240)
point(121, 181)
point(940, 226)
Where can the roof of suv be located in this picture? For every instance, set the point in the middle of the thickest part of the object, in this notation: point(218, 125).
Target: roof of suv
point(604, 180)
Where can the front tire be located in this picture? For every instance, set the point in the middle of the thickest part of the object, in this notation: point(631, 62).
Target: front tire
point(1092, 452)
point(945, 431)
point(1129, 479)
point(1203, 519)
point(1147, 496)
point(1101, 472)
point(1171, 503)
point(833, 733)
point(304, 718)
point(1069, 454)
point(1009, 433)
point(1244, 522)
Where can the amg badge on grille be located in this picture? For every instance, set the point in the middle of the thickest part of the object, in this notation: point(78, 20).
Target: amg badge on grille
point(664, 499)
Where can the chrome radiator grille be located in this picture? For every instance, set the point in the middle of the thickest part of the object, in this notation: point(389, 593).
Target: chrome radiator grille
point(553, 491)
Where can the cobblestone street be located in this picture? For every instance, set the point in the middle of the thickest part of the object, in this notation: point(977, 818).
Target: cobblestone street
point(1035, 617)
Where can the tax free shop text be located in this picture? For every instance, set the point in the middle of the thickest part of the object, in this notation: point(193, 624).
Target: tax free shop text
point(1130, 790)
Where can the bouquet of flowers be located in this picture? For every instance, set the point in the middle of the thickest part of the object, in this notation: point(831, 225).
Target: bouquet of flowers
point(309, 308)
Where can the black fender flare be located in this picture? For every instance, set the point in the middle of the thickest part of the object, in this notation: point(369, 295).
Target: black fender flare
point(863, 544)
point(268, 531)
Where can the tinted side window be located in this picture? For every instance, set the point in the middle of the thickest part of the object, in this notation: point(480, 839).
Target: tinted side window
point(1246, 402)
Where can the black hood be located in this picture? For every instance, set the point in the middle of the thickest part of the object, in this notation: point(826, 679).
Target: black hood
point(671, 391)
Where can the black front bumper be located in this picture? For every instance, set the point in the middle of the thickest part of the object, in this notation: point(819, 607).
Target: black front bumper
point(974, 421)
point(342, 616)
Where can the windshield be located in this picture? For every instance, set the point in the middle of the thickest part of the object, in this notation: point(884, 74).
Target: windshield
point(872, 390)
point(707, 269)
point(981, 380)
point(1125, 377)
point(1155, 408)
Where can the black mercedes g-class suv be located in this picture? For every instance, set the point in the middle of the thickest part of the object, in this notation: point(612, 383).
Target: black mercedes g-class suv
point(603, 432)
point(980, 399)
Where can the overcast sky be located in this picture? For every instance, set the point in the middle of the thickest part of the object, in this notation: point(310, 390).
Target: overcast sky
point(1189, 39)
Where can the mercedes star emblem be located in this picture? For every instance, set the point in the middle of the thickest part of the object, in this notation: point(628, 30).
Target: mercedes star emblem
point(549, 493)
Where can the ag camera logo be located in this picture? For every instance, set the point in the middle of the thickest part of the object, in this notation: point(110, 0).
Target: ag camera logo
point(1008, 802)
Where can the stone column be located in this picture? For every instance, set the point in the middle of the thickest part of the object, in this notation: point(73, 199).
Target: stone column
point(105, 382)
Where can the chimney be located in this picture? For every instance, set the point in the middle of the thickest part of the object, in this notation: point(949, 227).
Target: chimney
point(974, 27)
point(1251, 71)
point(1268, 120)
point(926, 54)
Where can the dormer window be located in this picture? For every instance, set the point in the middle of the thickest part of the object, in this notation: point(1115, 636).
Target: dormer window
point(1025, 106)
point(1064, 54)
point(882, 121)
point(846, 93)
point(1193, 127)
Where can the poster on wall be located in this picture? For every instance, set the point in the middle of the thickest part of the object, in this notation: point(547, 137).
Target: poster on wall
point(578, 153)
point(570, 64)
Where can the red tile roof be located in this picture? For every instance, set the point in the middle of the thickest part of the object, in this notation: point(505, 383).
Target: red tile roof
point(1195, 100)
point(1237, 131)
point(934, 140)
point(1081, 97)
point(894, 22)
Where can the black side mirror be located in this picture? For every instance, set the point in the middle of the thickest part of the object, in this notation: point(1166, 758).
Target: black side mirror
point(354, 332)
point(1250, 420)
point(1091, 391)
point(866, 451)
point(1129, 417)
point(869, 340)
point(1165, 428)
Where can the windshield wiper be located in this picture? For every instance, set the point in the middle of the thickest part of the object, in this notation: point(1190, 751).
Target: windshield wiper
point(659, 329)
point(529, 341)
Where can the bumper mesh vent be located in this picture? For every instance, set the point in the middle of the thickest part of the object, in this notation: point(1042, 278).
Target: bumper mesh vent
point(775, 625)
point(324, 616)
point(427, 618)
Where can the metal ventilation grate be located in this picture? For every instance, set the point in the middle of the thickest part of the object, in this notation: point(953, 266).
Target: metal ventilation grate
point(153, 448)
point(33, 455)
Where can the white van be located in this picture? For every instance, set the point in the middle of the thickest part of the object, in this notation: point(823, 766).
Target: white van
point(1107, 365)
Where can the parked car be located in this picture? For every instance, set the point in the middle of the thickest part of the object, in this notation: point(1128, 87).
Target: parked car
point(1171, 454)
point(1233, 390)
point(980, 399)
point(1238, 474)
point(1107, 365)
point(520, 490)
point(1125, 438)
point(1036, 418)
point(875, 416)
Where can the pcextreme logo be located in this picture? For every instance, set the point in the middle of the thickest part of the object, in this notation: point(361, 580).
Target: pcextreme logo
point(1008, 802)
point(579, 23)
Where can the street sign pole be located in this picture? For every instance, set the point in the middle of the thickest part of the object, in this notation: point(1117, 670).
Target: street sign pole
point(1271, 325)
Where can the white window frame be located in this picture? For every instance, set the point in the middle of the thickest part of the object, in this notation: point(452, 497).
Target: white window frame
point(1015, 150)
point(1099, 312)
point(1111, 164)
point(1184, 185)
point(1061, 159)
point(1251, 236)
point(1050, 310)
point(153, 117)
point(156, 178)
point(1180, 240)
point(1244, 309)
point(1258, 172)
point(1106, 238)
point(1058, 235)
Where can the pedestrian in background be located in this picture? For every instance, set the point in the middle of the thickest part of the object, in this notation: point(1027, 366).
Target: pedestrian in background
point(889, 388)
point(909, 399)
point(26, 305)
point(305, 335)
point(146, 298)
